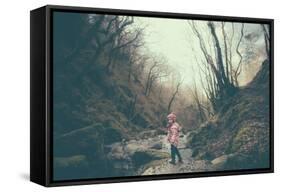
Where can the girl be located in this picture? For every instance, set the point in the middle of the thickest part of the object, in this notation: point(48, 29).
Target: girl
point(173, 137)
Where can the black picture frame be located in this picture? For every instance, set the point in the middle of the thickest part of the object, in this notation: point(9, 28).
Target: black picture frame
point(41, 81)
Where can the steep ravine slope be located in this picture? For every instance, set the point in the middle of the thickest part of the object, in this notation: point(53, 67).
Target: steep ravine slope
point(238, 136)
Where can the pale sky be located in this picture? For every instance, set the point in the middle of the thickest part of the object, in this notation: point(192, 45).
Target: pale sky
point(169, 38)
point(174, 39)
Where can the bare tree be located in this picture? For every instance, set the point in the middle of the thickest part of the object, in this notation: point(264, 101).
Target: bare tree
point(180, 81)
point(156, 71)
point(238, 70)
point(199, 105)
point(220, 73)
point(136, 60)
point(266, 39)
point(132, 110)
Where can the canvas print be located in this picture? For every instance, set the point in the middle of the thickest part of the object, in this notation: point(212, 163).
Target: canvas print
point(138, 96)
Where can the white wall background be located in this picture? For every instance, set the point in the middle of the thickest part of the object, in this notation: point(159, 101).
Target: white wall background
point(14, 94)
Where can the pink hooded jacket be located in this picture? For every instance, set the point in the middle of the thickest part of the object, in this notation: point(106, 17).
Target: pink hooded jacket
point(173, 134)
point(173, 130)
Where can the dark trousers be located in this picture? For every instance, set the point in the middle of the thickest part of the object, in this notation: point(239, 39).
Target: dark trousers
point(175, 152)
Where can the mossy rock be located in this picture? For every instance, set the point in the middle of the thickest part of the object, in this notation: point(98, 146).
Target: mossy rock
point(150, 165)
point(158, 154)
point(243, 136)
point(202, 154)
point(72, 161)
point(87, 141)
point(143, 157)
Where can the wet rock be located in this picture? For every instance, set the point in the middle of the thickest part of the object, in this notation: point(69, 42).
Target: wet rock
point(156, 146)
point(219, 162)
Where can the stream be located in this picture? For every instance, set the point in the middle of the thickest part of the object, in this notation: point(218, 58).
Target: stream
point(150, 156)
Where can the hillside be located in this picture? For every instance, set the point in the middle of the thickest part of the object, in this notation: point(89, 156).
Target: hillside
point(238, 136)
point(98, 100)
